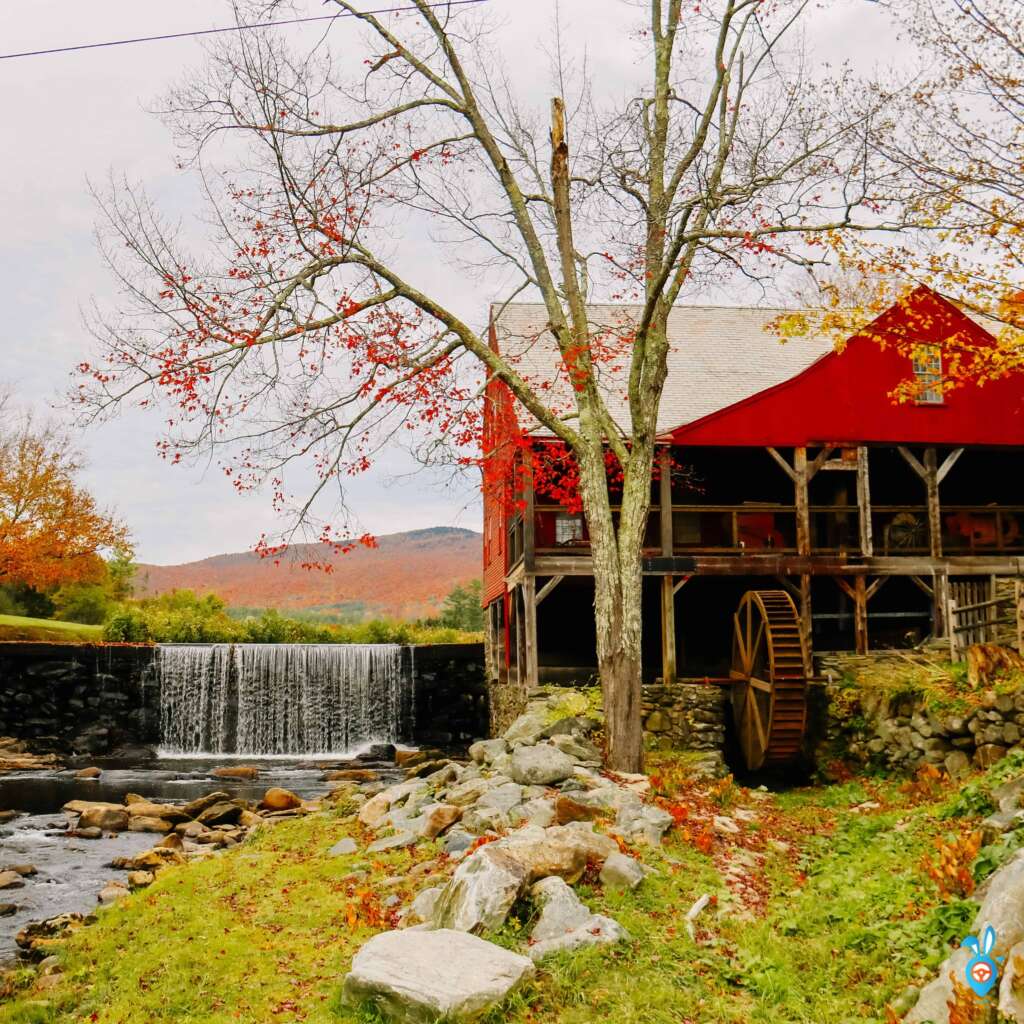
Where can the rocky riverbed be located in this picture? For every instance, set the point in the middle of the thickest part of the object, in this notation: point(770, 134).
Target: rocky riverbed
point(68, 834)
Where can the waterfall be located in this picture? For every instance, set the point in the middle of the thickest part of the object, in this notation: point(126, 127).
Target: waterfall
point(282, 699)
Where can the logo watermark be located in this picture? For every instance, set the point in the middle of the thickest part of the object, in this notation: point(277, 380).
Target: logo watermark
point(982, 970)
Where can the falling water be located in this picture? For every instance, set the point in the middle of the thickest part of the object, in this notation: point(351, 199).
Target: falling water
point(281, 698)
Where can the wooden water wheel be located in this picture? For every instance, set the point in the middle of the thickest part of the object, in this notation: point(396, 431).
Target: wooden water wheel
point(769, 668)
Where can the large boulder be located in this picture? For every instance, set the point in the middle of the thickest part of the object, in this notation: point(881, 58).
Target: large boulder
point(222, 813)
point(482, 891)
point(420, 977)
point(561, 910)
point(558, 850)
point(105, 817)
point(527, 728)
point(247, 772)
point(540, 765)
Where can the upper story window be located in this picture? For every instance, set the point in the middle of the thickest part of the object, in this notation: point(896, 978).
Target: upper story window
point(568, 528)
point(928, 373)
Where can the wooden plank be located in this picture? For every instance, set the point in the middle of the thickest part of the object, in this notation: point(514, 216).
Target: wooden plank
point(940, 603)
point(548, 587)
point(680, 583)
point(922, 585)
point(803, 511)
point(530, 631)
point(668, 632)
point(948, 463)
point(911, 459)
point(931, 483)
point(860, 614)
point(821, 461)
point(665, 494)
point(867, 545)
point(806, 623)
point(786, 467)
point(876, 586)
point(529, 522)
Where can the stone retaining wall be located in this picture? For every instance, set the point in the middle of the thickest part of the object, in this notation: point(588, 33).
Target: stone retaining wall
point(100, 698)
point(685, 716)
point(79, 698)
point(901, 732)
point(451, 702)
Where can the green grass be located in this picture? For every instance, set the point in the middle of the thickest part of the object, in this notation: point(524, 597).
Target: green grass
point(839, 923)
point(19, 627)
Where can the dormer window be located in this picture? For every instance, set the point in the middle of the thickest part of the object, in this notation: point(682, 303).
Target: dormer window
point(928, 374)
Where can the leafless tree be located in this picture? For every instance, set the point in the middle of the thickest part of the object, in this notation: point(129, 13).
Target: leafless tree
point(303, 328)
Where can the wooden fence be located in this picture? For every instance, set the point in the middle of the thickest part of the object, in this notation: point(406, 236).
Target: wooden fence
point(985, 611)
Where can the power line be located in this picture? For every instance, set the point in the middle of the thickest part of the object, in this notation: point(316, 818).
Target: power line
point(230, 28)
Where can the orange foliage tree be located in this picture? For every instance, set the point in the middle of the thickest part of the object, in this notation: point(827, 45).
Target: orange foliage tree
point(51, 530)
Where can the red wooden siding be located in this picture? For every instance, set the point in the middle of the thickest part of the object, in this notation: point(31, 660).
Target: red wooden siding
point(845, 396)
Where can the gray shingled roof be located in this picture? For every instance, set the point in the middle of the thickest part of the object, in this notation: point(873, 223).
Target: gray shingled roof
point(718, 356)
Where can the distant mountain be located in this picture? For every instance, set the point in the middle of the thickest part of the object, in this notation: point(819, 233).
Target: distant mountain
point(407, 576)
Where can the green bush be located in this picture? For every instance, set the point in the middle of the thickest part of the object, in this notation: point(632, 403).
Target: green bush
point(182, 617)
point(88, 603)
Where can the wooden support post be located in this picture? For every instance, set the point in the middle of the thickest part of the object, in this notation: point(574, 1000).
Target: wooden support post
point(529, 522)
point(941, 616)
point(517, 605)
point(931, 483)
point(867, 546)
point(548, 587)
point(806, 622)
point(802, 501)
point(668, 604)
point(860, 614)
point(529, 590)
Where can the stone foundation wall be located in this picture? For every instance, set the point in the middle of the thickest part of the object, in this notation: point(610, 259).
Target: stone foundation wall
point(685, 716)
point(451, 701)
point(79, 698)
point(901, 732)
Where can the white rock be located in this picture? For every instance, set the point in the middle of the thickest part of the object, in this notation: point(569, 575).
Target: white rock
point(643, 823)
point(485, 751)
point(541, 765)
point(597, 930)
point(423, 976)
point(561, 909)
point(482, 891)
point(422, 909)
point(526, 728)
point(343, 847)
point(622, 872)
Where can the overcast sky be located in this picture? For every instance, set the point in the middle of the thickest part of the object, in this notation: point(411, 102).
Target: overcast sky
point(75, 117)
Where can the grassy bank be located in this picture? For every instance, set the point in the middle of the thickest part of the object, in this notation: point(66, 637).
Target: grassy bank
point(18, 627)
point(822, 912)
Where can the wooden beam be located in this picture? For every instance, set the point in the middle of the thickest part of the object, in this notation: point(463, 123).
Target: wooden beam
point(789, 585)
point(860, 614)
point(922, 585)
point(786, 467)
point(680, 583)
point(876, 586)
point(911, 460)
point(668, 632)
point(665, 494)
point(931, 483)
point(530, 631)
point(948, 463)
point(548, 587)
point(867, 544)
point(819, 462)
point(803, 508)
point(845, 587)
point(806, 623)
point(529, 521)
point(940, 603)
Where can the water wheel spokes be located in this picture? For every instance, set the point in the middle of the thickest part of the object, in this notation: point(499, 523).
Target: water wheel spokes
point(770, 678)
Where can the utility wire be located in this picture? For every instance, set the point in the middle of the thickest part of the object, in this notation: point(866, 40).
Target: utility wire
point(230, 28)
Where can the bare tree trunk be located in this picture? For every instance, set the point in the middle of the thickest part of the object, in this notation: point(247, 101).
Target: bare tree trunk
point(618, 589)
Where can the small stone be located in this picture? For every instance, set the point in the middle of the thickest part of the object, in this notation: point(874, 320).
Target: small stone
point(240, 771)
point(148, 809)
point(196, 807)
point(88, 773)
point(140, 879)
point(343, 848)
point(988, 754)
point(8, 909)
point(278, 799)
point(398, 841)
point(422, 908)
point(86, 833)
point(142, 824)
point(222, 813)
point(725, 826)
point(485, 751)
point(25, 870)
point(621, 872)
point(112, 892)
point(11, 880)
point(957, 764)
point(437, 818)
point(561, 909)
point(352, 775)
